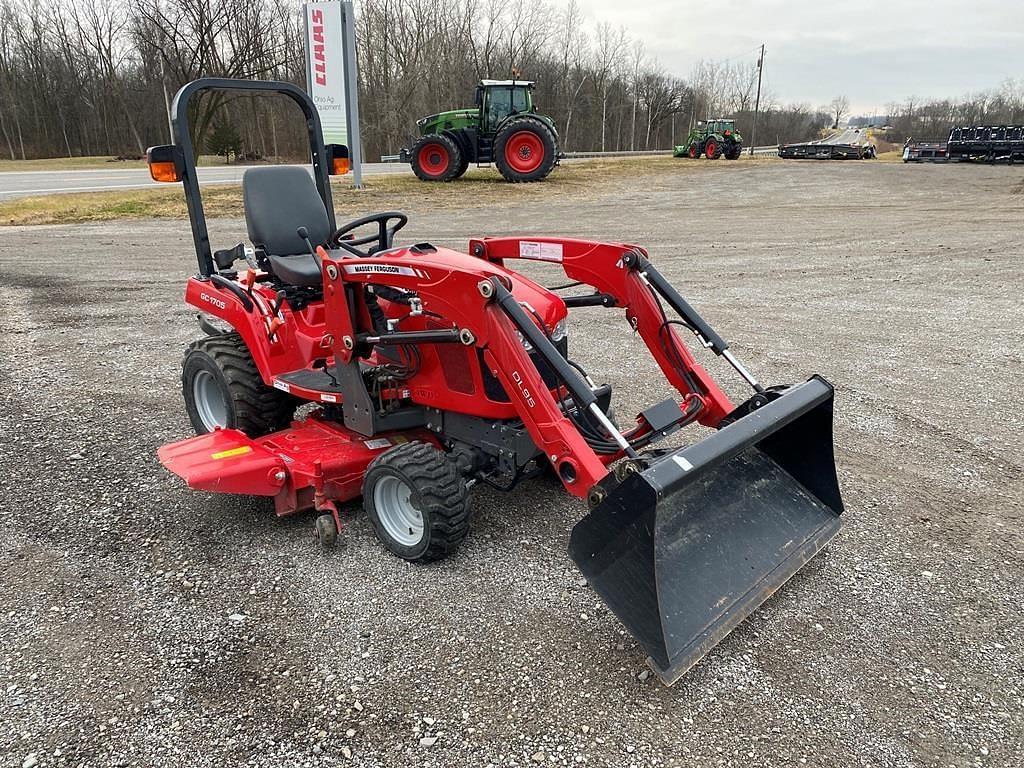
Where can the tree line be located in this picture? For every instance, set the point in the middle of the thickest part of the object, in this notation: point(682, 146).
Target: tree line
point(932, 118)
point(95, 77)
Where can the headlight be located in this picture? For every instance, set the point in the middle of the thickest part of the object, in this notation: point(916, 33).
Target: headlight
point(558, 333)
point(522, 339)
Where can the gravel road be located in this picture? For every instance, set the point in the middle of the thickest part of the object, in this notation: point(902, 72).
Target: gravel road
point(145, 625)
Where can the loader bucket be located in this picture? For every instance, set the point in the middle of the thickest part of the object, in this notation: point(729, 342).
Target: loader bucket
point(685, 550)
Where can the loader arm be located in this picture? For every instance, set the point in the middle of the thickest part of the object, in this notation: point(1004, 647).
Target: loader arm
point(602, 266)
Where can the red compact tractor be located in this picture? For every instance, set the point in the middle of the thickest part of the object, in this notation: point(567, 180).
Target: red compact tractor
point(431, 369)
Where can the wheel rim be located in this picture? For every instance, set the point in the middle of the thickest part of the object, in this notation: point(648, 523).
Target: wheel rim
point(693, 150)
point(524, 152)
point(433, 159)
point(710, 151)
point(392, 500)
point(211, 405)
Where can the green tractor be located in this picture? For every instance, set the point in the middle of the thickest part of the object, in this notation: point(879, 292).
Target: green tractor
point(712, 138)
point(502, 128)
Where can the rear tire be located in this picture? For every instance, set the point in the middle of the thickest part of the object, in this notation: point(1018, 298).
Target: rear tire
point(712, 150)
point(417, 502)
point(734, 152)
point(223, 388)
point(525, 150)
point(436, 158)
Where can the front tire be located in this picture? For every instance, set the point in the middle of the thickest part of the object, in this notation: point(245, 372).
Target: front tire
point(436, 157)
point(463, 165)
point(417, 502)
point(525, 150)
point(223, 389)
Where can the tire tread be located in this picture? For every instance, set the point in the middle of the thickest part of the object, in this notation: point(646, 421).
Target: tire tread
point(258, 409)
point(440, 488)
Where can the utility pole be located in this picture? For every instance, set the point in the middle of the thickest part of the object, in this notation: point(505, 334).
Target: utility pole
point(757, 101)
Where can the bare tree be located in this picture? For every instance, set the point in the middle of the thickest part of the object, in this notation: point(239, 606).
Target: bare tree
point(95, 76)
point(840, 107)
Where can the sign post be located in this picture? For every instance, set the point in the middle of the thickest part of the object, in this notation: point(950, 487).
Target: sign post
point(331, 74)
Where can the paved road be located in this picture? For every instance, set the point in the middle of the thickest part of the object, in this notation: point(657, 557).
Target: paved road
point(845, 136)
point(15, 184)
point(24, 183)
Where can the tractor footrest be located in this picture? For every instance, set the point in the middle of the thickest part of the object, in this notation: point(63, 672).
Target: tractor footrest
point(310, 379)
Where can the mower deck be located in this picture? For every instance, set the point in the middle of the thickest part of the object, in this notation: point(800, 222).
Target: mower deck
point(308, 465)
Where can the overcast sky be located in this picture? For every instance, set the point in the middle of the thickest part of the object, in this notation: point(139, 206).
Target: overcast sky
point(873, 51)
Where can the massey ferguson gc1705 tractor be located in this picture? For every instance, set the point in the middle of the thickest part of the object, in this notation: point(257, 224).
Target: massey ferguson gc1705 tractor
point(502, 128)
point(431, 370)
point(712, 139)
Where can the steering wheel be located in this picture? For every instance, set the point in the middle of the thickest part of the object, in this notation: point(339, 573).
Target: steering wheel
point(383, 238)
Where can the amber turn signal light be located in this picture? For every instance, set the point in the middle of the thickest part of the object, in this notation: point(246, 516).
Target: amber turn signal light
point(338, 162)
point(164, 163)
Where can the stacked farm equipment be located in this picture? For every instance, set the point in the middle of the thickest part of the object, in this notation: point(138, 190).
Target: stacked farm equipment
point(986, 144)
point(502, 128)
point(712, 139)
point(430, 370)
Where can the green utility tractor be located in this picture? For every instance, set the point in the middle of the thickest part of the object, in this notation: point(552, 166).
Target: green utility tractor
point(712, 138)
point(502, 128)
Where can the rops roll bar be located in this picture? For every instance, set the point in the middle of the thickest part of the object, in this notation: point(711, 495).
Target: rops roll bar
point(176, 162)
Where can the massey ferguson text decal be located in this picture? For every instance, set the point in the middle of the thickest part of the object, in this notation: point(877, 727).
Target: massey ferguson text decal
point(384, 269)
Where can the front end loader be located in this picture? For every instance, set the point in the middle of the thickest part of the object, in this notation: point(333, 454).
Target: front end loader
point(431, 369)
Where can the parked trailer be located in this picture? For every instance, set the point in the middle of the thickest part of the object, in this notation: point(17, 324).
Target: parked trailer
point(818, 151)
point(915, 151)
point(986, 144)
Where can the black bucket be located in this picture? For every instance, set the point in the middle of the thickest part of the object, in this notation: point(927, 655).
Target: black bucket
point(687, 549)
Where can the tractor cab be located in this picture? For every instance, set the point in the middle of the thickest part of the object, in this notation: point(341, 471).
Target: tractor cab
point(497, 99)
point(724, 127)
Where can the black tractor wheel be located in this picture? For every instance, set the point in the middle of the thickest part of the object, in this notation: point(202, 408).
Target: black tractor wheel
point(417, 502)
point(326, 532)
point(525, 150)
point(223, 388)
point(693, 152)
point(734, 152)
point(712, 149)
point(436, 158)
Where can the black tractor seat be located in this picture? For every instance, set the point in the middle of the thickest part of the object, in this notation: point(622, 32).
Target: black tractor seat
point(301, 269)
point(278, 200)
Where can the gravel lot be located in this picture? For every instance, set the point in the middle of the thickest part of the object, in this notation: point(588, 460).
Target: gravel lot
point(145, 625)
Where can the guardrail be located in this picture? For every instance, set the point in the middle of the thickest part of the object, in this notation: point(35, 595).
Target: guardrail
point(772, 150)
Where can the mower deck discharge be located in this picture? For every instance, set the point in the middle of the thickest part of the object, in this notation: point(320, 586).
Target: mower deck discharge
point(432, 369)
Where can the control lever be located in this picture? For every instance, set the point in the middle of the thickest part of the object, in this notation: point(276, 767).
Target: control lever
point(303, 233)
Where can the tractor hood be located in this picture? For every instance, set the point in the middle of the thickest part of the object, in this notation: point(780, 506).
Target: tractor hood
point(452, 119)
point(544, 305)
